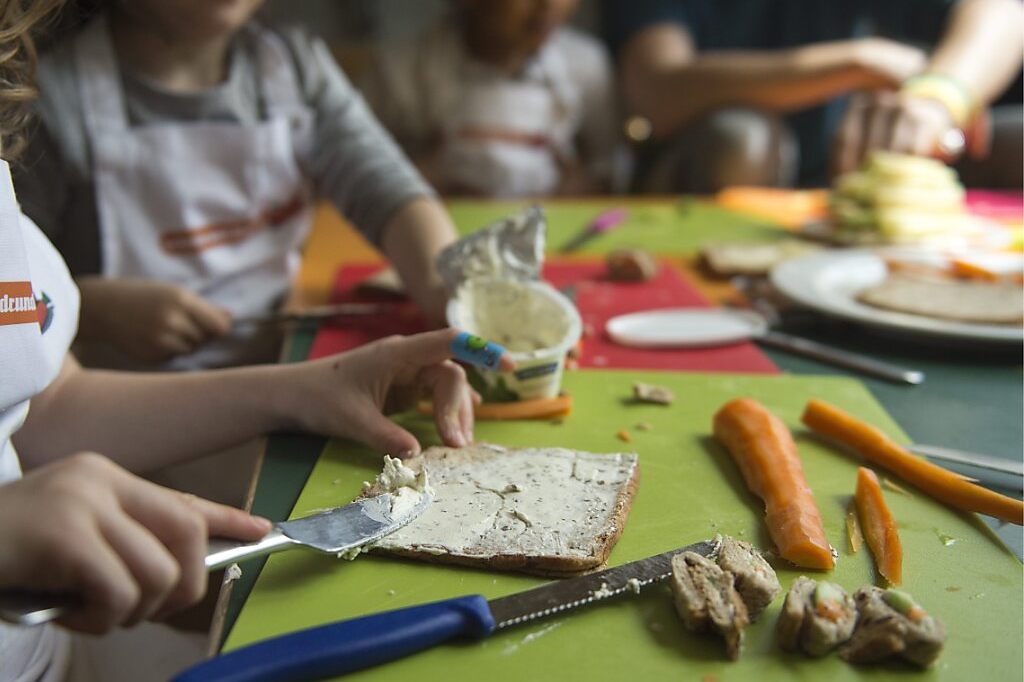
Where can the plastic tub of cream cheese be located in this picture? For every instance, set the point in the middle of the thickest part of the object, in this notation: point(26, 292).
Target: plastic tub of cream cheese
point(534, 322)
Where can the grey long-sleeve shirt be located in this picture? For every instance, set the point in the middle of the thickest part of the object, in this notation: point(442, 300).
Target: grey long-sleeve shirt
point(353, 163)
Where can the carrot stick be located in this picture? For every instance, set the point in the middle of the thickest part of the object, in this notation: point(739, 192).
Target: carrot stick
point(940, 483)
point(540, 408)
point(765, 453)
point(879, 526)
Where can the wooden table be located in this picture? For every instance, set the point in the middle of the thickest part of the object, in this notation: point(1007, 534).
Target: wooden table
point(972, 399)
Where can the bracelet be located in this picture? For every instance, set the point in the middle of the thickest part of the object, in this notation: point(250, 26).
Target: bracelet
point(950, 92)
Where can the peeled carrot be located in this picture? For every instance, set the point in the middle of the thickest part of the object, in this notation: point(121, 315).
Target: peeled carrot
point(765, 453)
point(878, 448)
point(879, 526)
point(540, 408)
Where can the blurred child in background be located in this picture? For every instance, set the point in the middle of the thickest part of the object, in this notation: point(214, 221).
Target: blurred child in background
point(180, 149)
point(501, 99)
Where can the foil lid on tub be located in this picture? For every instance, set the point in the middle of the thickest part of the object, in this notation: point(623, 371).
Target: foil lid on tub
point(511, 248)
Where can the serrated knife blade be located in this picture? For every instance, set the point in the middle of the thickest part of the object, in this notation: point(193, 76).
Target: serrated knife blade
point(350, 645)
point(571, 593)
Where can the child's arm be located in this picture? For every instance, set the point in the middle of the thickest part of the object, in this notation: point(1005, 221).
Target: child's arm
point(411, 241)
point(130, 549)
point(147, 421)
point(356, 165)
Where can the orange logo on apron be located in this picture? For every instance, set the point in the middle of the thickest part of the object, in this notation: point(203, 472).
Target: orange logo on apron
point(17, 303)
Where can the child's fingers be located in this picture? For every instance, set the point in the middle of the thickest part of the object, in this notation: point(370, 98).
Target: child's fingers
point(154, 569)
point(105, 583)
point(183, 523)
point(382, 434)
point(466, 413)
point(228, 522)
point(168, 344)
point(180, 324)
point(213, 320)
point(431, 348)
point(447, 385)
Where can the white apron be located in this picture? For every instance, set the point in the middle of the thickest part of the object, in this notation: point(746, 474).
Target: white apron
point(217, 207)
point(507, 137)
point(34, 340)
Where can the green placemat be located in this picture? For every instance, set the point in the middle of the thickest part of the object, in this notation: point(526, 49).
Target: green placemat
point(663, 226)
point(689, 490)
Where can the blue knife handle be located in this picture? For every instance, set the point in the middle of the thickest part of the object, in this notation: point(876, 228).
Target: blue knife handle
point(339, 648)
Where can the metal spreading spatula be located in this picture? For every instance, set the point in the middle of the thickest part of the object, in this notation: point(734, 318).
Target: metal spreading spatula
point(332, 532)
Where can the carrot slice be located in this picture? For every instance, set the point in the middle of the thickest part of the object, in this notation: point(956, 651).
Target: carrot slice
point(969, 270)
point(540, 408)
point(879, 526)
point(765, 453)
point(878, 448)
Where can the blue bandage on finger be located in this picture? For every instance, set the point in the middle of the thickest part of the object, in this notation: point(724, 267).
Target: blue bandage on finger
point(476, 351)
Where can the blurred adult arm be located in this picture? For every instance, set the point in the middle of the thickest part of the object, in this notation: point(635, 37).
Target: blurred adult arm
point(666, 80)
point(977, 57)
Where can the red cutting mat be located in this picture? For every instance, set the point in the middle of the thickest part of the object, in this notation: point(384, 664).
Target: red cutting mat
point(597, 299)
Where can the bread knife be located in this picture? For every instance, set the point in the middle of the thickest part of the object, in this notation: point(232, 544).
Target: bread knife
point(332, 532)
point(350, 645)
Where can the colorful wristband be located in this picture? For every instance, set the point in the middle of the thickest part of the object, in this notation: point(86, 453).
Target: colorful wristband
point(950, 92)
point(476, 351)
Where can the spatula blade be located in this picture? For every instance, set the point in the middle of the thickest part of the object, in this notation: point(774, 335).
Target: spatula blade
point(355, 524)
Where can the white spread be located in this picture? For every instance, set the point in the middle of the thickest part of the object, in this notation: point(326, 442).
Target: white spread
point(232, 573)
point(634, 585)
point(534, 502)
point(407, 488)
point(603, 591)
point(520, 318)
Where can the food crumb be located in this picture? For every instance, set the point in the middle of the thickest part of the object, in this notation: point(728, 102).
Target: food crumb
point(336, 481)
point(634, 585)
point(624, 436)
point(946, 540)
point(631, 265)
point(952, 588)
point(602, 591)
point(644, 426)
point(522, 517)
point(391, 593)
point(656, 395)
point(232, 573)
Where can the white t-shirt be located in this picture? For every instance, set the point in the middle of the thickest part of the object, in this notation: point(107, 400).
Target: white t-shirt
point(38, 319)
point(498, 134)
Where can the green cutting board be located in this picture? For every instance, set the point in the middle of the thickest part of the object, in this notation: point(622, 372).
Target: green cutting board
point(689, 490)
point(662, 226)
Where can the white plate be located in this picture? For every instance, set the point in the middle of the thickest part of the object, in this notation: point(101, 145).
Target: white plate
point(684, 327)
point(830, 281)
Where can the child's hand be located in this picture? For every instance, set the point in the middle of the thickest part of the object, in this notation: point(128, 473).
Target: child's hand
point(131, 549)
point(151, 321)
point(347, 395)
